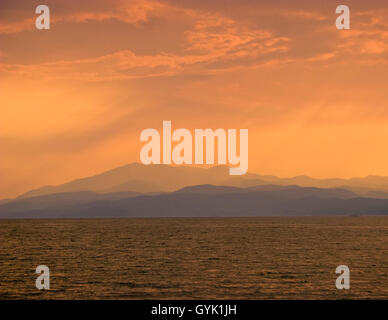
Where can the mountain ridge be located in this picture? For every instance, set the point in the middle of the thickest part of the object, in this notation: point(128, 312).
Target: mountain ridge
point(198, 201)
point(136, 177)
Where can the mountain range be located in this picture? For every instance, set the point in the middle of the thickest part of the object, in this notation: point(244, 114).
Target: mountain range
point(137, 190)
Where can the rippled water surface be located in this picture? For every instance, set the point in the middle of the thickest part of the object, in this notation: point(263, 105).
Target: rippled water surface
point(231, 258)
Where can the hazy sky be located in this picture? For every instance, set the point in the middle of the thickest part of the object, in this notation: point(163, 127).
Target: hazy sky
point(74, 99)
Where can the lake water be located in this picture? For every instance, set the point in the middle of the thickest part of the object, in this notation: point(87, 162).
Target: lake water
point(195, 258)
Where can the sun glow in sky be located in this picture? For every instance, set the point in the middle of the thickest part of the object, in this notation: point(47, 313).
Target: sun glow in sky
point(74, 99)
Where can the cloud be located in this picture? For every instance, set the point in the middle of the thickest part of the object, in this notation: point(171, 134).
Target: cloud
point(132, 12)
point(213, 43)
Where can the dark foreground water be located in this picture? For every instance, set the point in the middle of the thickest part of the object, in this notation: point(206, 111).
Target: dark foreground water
point(242, 258)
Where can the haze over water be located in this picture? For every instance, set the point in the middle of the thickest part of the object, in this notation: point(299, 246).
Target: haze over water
point(195, 258)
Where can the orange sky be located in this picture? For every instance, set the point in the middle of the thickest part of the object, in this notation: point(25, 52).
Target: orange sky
point(74, 99)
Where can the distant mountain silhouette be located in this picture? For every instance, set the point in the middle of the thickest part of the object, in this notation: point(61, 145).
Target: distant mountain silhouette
point(370, 186)
point(211, 189)
point(285, 191)
point(61, 199)
point(199, 201)
point(137, 190)
point(137, 177)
